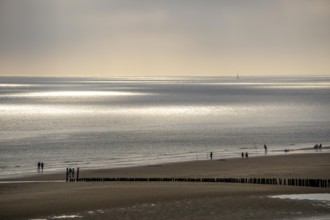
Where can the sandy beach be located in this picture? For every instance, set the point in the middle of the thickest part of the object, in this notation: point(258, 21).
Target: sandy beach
point(172, 200)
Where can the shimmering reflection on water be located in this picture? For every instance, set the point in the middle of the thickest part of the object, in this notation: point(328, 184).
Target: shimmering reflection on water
point(168, 110)
point(12, 85)
point(123, 121)
point(68, 94)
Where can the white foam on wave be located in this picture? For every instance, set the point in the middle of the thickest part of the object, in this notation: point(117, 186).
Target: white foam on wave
point(315, 197)
point(66, 216)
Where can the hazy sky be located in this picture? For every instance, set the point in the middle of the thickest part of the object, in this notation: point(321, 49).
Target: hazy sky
point(164, 38)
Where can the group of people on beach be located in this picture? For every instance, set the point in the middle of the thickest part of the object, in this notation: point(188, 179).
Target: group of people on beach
point(246, 154)
point(318, 146)
point(40, 166)
point(71, 172)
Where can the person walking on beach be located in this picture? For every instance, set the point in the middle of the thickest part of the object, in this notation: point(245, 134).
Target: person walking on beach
point(242, 154)
point(38, 166)
point(265, 147)
point(246, 155)
point(211, 155)
point(42, 166)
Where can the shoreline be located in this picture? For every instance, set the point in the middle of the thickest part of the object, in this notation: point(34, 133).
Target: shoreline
point(174, 200)
point(200, 156)
point(60, 175)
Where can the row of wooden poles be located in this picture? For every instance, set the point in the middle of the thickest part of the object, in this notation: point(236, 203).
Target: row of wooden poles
point(323, 183)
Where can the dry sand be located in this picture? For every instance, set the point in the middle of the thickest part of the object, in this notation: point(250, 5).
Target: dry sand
point(173, 200)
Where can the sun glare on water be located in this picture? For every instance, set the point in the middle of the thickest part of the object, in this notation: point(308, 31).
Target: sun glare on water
point(59, 94)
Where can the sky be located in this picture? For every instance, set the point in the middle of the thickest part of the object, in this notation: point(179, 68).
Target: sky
point(107, 38)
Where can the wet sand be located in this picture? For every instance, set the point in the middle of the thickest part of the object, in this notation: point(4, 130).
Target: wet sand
point(173, 200)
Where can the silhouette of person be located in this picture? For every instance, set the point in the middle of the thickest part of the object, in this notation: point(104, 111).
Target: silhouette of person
point(38, 166)
point(211, 155)
point(242, 155)
point(42, 166)
point(246, 155)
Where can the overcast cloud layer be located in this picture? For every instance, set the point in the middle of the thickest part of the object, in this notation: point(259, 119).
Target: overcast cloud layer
point(162, 38)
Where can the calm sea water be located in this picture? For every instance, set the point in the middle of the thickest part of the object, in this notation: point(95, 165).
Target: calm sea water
point(117, 122)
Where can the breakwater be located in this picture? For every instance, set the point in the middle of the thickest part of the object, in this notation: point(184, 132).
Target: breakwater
point(323, 183)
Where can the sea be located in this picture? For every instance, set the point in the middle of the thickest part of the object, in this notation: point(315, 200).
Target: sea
point(115, 122)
